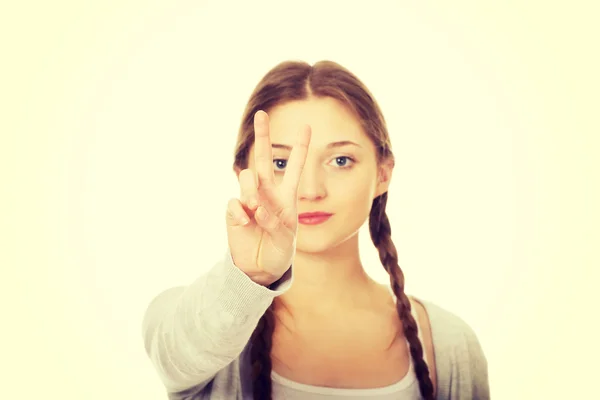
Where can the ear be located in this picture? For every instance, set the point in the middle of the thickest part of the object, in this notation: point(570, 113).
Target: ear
point(384, 176)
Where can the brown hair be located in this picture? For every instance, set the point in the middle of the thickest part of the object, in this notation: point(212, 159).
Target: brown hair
point(295, 80)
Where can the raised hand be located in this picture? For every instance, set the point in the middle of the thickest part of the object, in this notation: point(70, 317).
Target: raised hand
point(262, 224)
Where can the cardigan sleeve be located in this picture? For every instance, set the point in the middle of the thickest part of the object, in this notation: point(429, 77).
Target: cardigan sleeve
point(192, 332)
point(477, 365)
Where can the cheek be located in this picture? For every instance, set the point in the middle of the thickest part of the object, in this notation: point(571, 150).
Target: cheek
point(356, 196)
point(359, 183)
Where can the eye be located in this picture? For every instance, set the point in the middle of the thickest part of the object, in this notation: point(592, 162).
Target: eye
point(342, 161)
point(279, 163)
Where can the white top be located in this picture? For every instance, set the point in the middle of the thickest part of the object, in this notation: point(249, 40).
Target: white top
point(406, 388)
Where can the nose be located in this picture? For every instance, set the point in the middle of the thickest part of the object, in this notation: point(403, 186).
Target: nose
point(312, 184)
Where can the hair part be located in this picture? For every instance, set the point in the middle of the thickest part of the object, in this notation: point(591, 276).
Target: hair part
point(296, 80)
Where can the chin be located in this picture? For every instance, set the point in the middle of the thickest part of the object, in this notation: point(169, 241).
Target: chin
point(319, 244)
point(312, 246)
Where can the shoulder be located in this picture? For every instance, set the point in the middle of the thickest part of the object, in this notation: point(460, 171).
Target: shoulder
point(447, 328)
point(458, 352)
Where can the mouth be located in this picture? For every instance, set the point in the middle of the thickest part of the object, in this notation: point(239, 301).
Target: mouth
point(313, 218)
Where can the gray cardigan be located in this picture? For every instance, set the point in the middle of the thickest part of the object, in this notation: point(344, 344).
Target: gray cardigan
point(197, 338)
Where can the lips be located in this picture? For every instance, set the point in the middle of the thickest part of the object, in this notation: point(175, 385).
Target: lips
point(317, 214)
point(313, 218)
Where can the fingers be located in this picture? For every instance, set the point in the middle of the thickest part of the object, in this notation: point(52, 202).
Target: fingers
point(250, 197)
point(248, 189)
point(295, 164)
point(236, 215)
point(263, 156)
point(274, 225)
point(279, 234)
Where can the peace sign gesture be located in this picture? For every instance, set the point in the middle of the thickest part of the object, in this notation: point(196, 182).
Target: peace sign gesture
point(262, 224)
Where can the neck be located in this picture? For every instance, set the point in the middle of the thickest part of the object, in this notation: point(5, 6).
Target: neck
point(331, 281)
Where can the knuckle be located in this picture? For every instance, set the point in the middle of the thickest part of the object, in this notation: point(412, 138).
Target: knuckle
point(229, 212)
point(231, 204)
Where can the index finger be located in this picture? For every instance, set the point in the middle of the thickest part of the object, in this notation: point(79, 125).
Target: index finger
point(295, 164)
point(263, 156)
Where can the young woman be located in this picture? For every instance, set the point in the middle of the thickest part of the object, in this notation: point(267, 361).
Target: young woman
point(289, 312)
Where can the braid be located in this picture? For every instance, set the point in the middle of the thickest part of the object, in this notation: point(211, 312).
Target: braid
point(260, 356)
point(381, 234)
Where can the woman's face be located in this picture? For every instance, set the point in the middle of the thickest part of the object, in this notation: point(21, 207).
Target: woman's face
point(340, 176)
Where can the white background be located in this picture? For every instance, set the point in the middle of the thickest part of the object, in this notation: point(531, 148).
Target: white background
point(121, 119)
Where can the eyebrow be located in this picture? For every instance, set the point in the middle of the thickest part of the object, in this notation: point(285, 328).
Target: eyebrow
point(331, 145)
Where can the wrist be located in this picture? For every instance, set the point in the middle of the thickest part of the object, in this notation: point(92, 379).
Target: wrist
point(264, 279)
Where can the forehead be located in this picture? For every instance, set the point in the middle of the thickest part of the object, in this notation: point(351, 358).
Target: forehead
point(329, 119)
